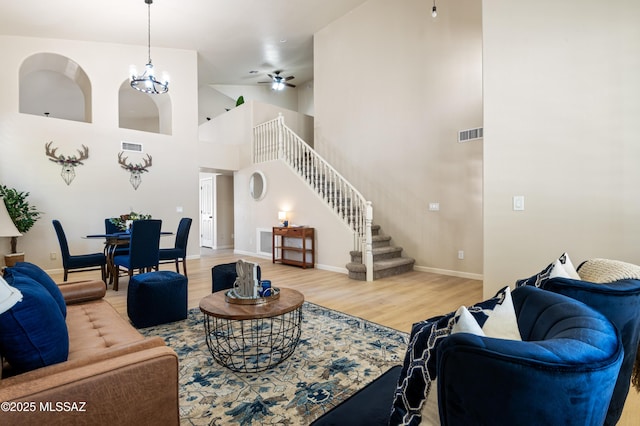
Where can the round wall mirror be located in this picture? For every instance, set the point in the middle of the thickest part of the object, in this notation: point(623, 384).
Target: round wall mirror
point(257, 185)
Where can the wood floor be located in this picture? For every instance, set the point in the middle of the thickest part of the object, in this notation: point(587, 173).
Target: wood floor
point(396, 302)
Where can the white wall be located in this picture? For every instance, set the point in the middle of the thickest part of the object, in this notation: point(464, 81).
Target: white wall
point(287, 98)
point(561, 101)
point(392, 88)
point(101, 188)
point(287, 191)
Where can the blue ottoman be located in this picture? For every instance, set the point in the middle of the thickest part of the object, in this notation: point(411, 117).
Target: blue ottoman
point(156, 298)
point(223, 276)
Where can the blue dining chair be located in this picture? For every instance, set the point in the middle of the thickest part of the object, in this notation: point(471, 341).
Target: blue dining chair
point(80, 262)
point(179, 251)
point(144, 248)
point(110, 228)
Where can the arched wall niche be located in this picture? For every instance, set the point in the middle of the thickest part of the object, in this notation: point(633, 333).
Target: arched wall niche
point(140, 111)
point(54, 84)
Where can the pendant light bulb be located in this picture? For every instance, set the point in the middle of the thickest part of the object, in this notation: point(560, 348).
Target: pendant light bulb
point(434, 12)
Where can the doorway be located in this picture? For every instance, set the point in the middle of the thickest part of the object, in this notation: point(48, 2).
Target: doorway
point(216, 209)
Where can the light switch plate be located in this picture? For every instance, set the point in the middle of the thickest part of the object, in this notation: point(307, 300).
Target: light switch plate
point(518, 202)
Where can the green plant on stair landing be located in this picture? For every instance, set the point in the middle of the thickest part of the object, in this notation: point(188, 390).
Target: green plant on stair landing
point(23, 214)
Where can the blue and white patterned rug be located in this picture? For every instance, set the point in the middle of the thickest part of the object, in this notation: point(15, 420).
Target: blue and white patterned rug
point(337, 355)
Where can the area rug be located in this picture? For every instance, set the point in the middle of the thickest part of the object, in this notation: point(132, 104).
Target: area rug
point(337, 355)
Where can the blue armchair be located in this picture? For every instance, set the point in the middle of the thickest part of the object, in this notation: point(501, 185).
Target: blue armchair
point(562, 372)
point(80, 262)
point(144, 248)
point(179, 251)
point(619, 301)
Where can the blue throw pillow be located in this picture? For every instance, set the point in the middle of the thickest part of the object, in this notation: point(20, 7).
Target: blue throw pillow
point(40, 276)
point(33, 333)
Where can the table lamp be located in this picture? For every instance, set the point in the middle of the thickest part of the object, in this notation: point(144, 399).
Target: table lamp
point(7, 228)
point(9, 296)
point(282, 217)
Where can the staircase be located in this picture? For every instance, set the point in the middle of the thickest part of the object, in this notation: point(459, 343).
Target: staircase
point(372, 256)
point(387, 259)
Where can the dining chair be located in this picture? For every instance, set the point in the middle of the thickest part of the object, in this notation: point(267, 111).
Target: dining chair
point(110, 228)
point(179, 251)
point(144, 248)
point(80, 262)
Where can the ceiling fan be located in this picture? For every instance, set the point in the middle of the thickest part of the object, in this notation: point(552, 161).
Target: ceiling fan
point(279, 82)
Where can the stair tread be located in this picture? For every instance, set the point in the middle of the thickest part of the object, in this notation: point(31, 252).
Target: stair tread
point(379, 250)
point(392, 263)
point(382, 264)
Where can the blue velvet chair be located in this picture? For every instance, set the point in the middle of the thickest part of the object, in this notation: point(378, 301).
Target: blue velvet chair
point(80, 262)
point(562, 372)
point(110, 228)
point(179, 251)
point(144, 249)
point(619, 301)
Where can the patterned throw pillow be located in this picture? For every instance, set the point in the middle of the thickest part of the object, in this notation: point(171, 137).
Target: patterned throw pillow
point(416, 396)
point(561, 267)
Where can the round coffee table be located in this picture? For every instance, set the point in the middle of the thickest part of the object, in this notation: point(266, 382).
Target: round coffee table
point(249, 338)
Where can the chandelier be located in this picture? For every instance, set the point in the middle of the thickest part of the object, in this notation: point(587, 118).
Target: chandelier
point(147, 82)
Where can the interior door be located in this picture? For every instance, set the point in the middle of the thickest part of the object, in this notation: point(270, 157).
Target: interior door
point(207, 236)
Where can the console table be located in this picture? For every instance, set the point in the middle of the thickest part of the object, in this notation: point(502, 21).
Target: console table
point(293, 246)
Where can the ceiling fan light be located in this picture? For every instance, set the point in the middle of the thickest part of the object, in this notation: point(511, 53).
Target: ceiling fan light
point(434, 12)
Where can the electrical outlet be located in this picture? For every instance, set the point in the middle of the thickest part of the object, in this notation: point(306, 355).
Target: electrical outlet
point(53, 255)
point(434, 207)
point(460, 254)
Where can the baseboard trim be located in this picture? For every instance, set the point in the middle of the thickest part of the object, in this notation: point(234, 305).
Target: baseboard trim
point(450, 273)
point(317, 266)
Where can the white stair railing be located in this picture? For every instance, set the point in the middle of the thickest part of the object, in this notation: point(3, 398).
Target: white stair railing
point(273, 140)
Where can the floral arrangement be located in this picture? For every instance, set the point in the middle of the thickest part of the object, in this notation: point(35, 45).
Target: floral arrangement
point(123, 222)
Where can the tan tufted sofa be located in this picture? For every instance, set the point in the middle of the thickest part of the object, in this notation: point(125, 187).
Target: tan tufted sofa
point(113, 376)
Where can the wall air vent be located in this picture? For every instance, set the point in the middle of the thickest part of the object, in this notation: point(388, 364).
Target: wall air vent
point(131, 146)
point(470, 135)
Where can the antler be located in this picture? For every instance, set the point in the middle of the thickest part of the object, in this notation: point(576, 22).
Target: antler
point(123, 161)
point(52, 152)
point(134, 167)
point(147, 162)
point(84, 153)
point(61, 159)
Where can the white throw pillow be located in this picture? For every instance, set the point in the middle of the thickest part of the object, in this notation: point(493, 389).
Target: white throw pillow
point(501, 323)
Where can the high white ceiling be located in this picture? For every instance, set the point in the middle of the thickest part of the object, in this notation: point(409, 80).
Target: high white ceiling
point(232, 37)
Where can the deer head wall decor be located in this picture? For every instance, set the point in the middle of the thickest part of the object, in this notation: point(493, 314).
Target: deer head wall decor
point(69, 163)
point(136, 170)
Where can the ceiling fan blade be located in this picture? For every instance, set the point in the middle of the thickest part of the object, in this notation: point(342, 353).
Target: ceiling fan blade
point(289, 84)
point(266, 82)
point(289, 78)
point(270, 76)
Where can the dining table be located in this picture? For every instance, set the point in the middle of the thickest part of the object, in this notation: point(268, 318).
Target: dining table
point(112, 242)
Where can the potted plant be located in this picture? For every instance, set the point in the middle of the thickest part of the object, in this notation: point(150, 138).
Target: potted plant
point(23, 215)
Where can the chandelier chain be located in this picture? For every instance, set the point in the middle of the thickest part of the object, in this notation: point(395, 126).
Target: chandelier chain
point(149, 30)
